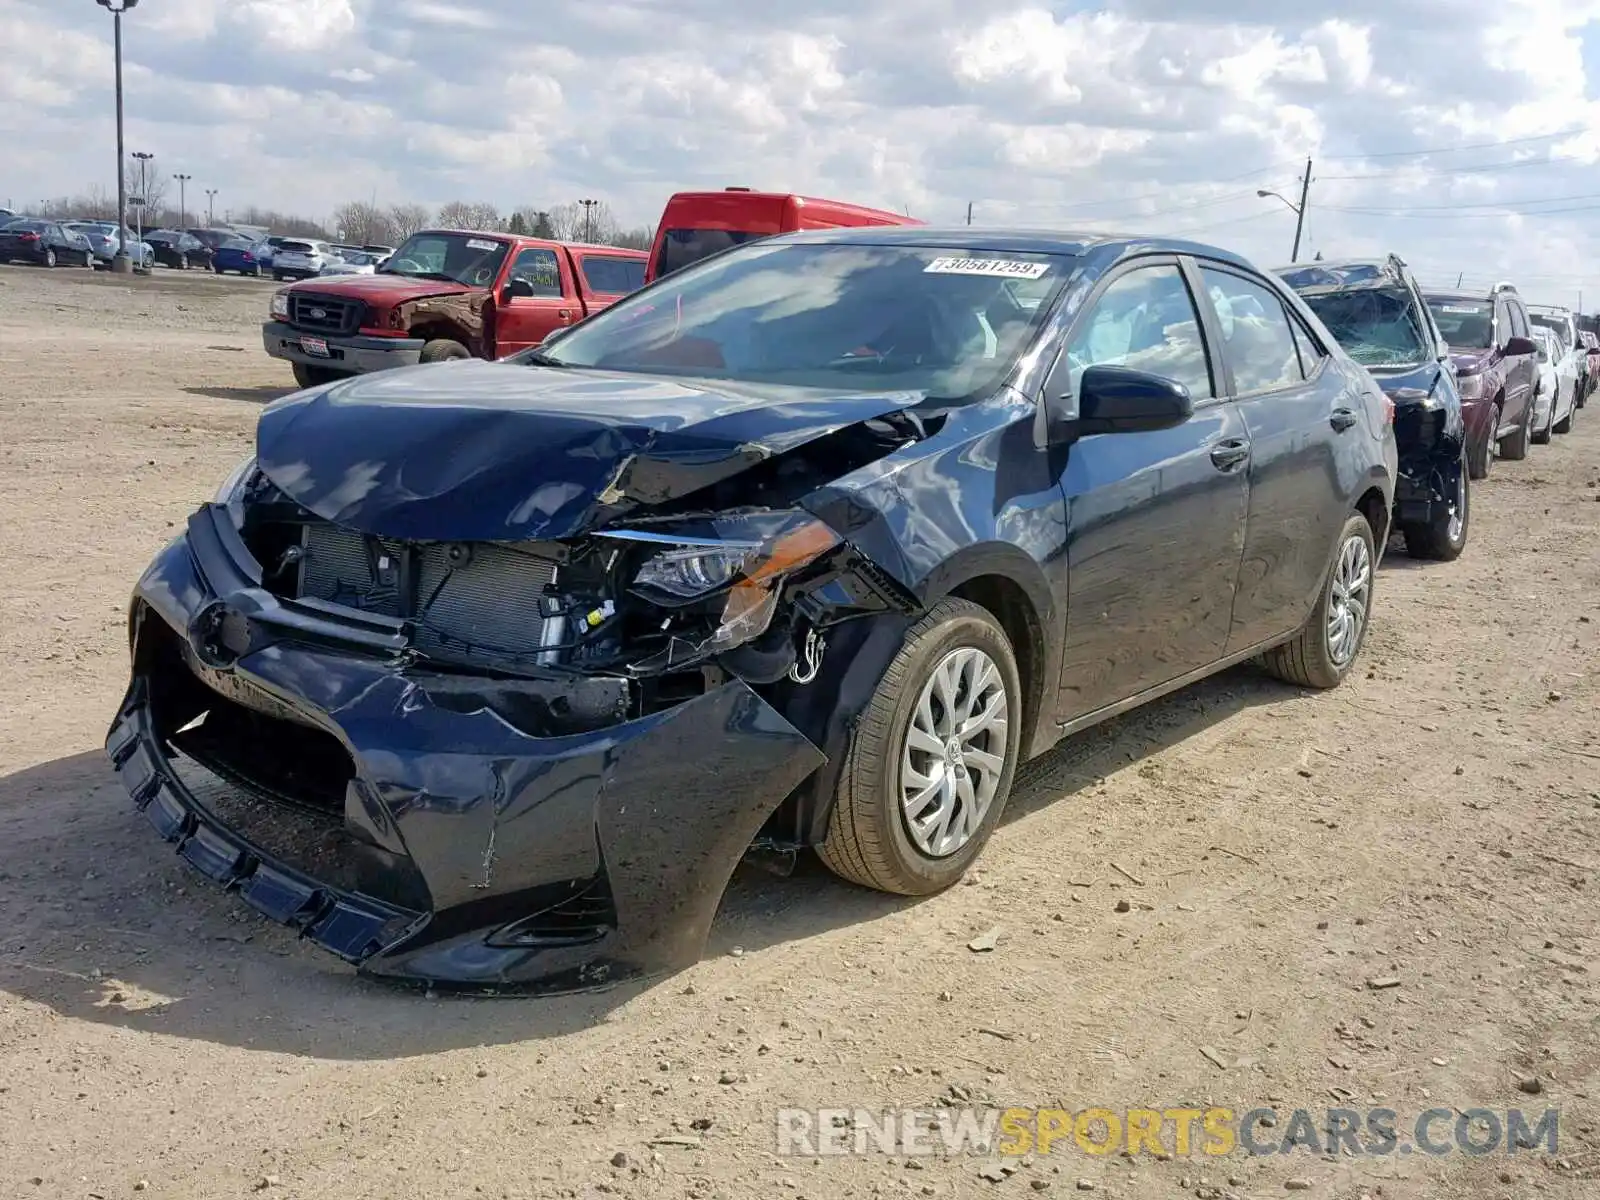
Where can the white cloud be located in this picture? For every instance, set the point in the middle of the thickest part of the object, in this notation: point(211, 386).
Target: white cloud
point(1160, 115)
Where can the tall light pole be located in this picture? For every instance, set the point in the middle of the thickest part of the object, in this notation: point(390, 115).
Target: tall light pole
point(1299, 210)
point(211, 205)
point(121, 263)
point(588, 219)
point(183, 201)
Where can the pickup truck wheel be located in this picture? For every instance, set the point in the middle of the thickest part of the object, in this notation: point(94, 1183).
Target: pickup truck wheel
point(930, 764)
point(308, 376)
point(443, 350)
point(1322, 653)
point(1445, 537)
point(1514, 446)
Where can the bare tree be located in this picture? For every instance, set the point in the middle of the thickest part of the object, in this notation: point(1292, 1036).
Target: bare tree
point(640, 238)
point(150, 186)
point(537, 222)
point(406, 219)
point(461, 214)
point(362, 223)
point(575, 222)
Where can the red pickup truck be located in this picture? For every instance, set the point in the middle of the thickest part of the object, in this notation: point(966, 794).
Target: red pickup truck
point(445, 294)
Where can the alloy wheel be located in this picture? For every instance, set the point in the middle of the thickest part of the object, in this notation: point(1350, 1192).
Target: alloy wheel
point(1351, 590)
point(954, 753)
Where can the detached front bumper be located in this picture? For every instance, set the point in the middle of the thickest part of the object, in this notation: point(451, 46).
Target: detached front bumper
point(504, 834)
point(1429, 440)
point(357, 354)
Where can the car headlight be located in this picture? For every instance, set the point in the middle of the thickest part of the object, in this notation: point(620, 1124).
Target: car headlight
point(747, 570)
point(280, 304)
point(1470, 386)
point(231, 493)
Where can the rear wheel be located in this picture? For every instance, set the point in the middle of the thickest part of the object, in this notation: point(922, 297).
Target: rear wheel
point(443, 350)
point(930, 764)
point(1514, 446)
point(1323, 652)
point(1445, 537)
point(308, 376)
point(49, 256)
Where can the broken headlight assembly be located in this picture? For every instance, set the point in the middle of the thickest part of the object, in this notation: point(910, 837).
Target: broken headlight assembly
point(231, 494)
point(733, 577)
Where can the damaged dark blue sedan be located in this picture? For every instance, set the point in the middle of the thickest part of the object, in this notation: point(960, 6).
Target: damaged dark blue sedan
point(489, 674)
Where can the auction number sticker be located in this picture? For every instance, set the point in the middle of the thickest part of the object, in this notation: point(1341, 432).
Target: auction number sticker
point(1466, 310)
point(482, 244)
point(1001, 268)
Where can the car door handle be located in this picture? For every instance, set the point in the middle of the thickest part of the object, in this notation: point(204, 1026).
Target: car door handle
point(1341, 419)
point(1229, 454)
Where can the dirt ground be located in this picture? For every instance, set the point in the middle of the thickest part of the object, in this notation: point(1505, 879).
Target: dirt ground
point(1435, 821)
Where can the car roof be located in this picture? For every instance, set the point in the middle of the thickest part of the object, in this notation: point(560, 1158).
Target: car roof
point(1457, 294)
point(522, 239)
point(1020, 241)
point(1343, 275)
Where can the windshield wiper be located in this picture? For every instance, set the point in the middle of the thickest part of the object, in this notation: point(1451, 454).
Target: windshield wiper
point(539, 359)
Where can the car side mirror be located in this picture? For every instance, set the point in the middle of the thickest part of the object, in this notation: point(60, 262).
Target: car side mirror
point(517, 288)
point(1520, 345)
point(1121, 400)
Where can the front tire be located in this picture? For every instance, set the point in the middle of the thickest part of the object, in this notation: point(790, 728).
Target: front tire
point(1325, 649)
point(49, 256)
point(1445, 537)
point(1481, 454)
point(308, 376)
point(443, 350)
point(930, 763)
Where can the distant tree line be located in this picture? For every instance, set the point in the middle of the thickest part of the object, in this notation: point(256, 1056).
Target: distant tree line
point(360, 222)
point(375, 224)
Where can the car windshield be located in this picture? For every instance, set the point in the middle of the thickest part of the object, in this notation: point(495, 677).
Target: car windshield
point(1556, 325)
point(1376, 326)
point(947, 321)
point(681, 248)
point(462, 257)
point(235, 243)
point(1467, 323)
point(357, 259)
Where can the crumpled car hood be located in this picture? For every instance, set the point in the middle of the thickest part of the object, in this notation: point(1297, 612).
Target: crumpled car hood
point(482, 451)
point(1410, 385)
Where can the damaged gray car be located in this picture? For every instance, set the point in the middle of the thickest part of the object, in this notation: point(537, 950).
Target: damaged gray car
point(489, 674)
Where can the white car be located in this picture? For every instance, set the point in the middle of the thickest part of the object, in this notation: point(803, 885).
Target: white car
point(352, 262)
point(1556, 398)
point(298, 258)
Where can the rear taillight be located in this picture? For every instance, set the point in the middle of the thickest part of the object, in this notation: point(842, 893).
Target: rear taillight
point(1388, 410)
point(30, 237)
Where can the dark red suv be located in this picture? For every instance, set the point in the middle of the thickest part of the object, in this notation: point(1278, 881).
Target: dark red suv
point(1496, 369)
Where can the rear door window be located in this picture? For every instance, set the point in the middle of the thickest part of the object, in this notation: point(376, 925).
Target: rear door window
point(1257, 338)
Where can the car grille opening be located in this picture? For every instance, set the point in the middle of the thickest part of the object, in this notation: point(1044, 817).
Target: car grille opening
point(266, 774)
point(467, 600)
point(324, 314)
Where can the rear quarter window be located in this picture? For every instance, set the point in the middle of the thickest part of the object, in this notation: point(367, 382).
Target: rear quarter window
point(606, 273)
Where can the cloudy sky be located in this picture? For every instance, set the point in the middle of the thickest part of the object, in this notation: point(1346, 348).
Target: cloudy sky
point(1158, 115)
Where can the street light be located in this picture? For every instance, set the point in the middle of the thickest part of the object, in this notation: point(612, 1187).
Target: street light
point(1299, 210)
point(211, 205)
point(588, 221)
point(142, 200)
point(183, 202)
point(1293, 207)
point(121, 263)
